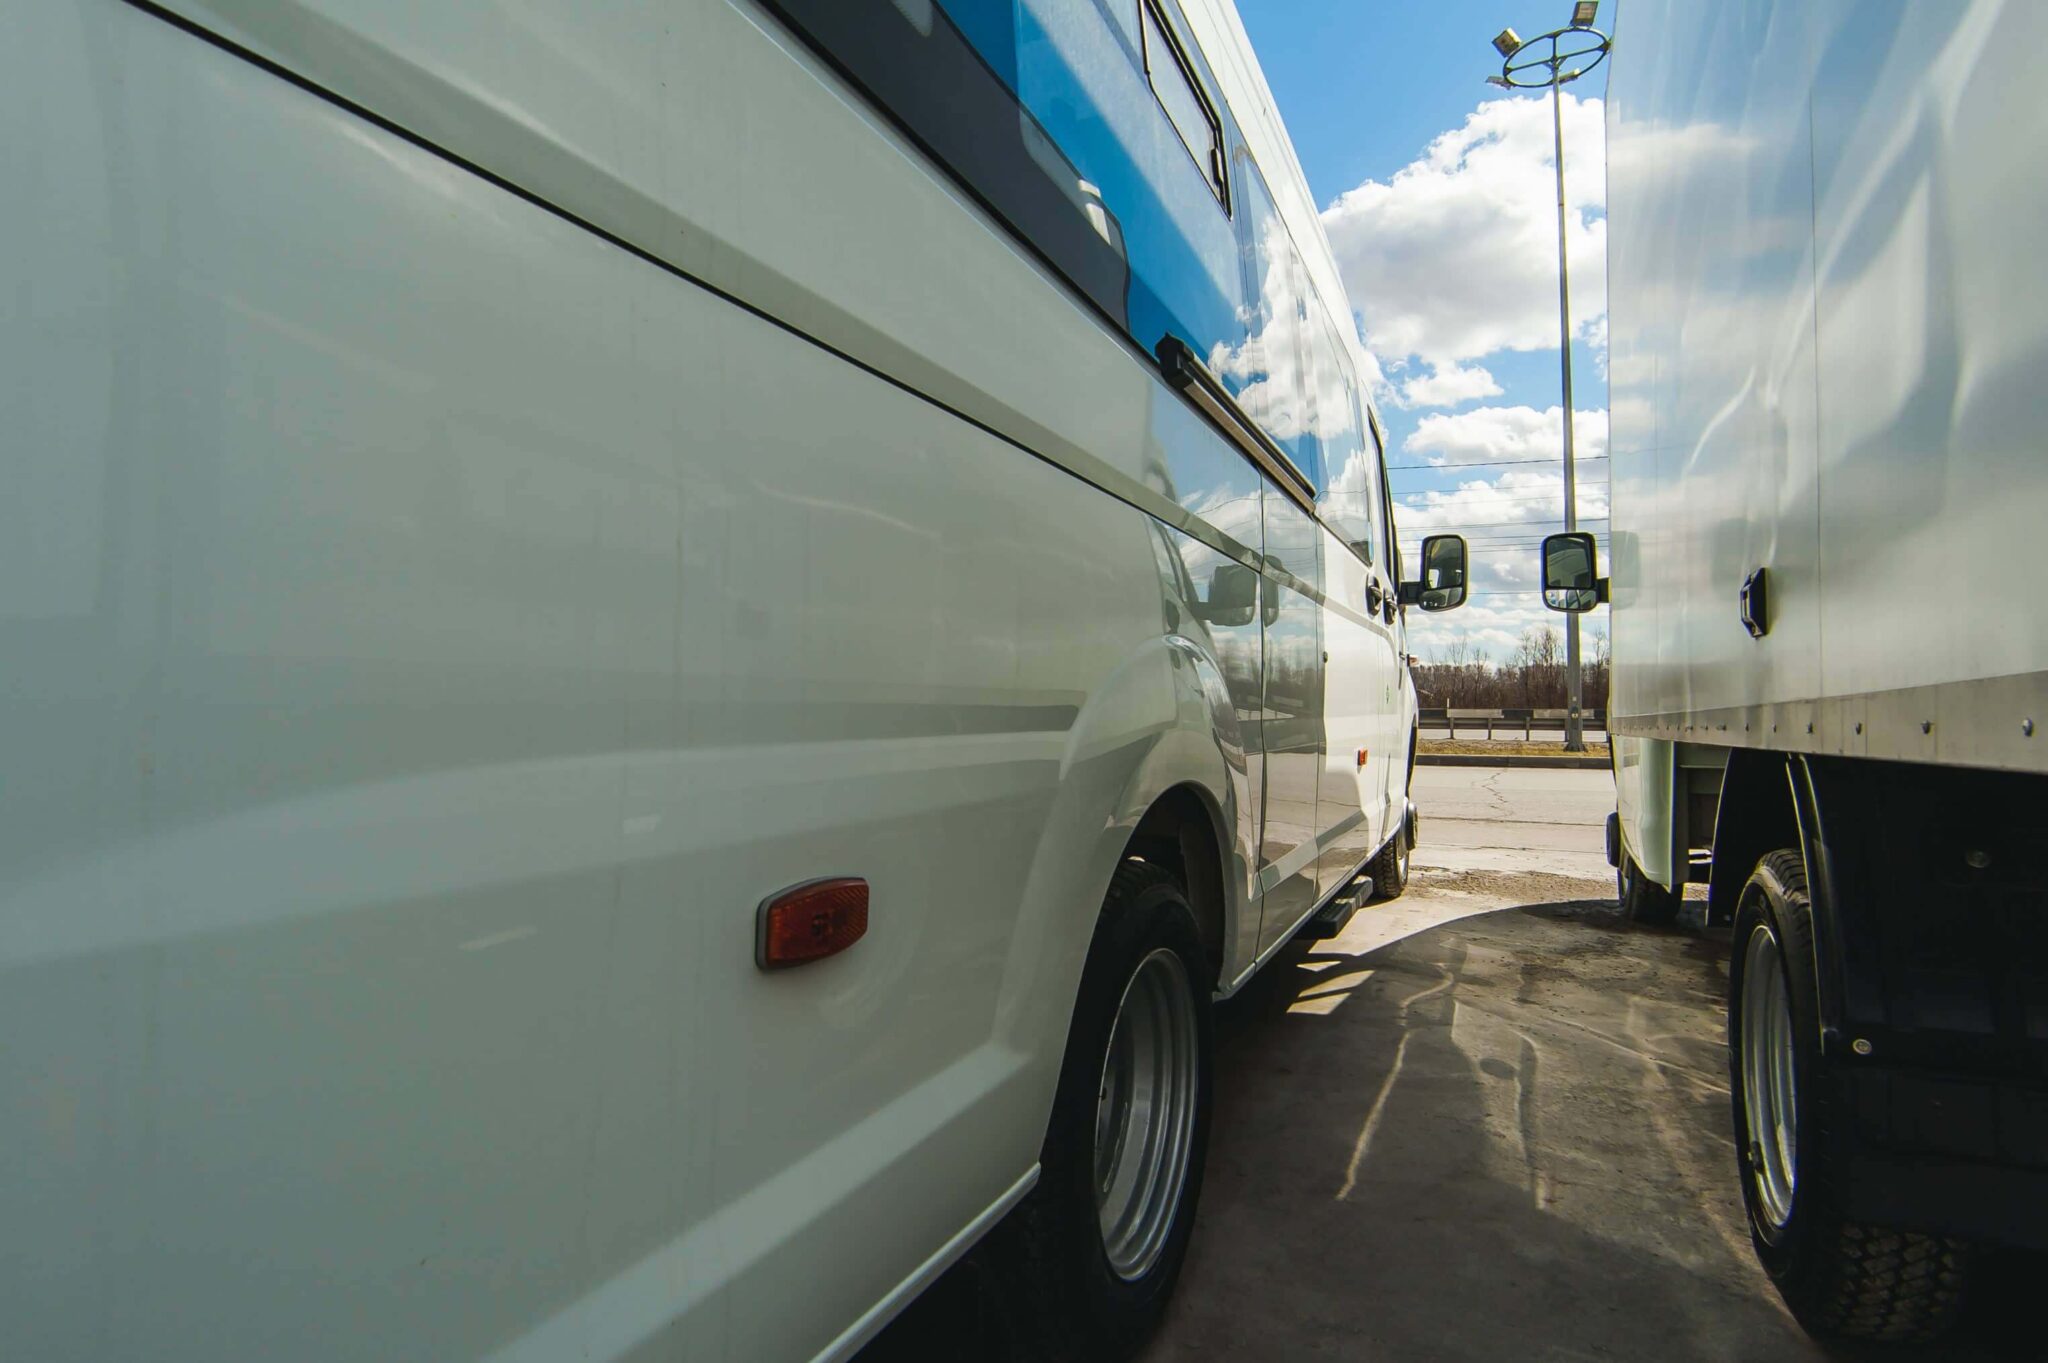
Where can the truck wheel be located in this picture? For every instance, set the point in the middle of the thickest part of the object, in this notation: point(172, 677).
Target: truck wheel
point(1389, 869)
point(1840, 1277)
point(1090, 1257)
point(1643, 900)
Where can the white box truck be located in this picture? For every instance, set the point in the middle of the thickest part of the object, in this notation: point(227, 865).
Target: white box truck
point(1829, 331)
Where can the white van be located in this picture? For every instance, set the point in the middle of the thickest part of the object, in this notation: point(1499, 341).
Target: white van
point(653, 659)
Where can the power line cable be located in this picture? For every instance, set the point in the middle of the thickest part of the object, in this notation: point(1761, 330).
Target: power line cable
point(1491, 464)
point(1530, 525)
point(1516, 497)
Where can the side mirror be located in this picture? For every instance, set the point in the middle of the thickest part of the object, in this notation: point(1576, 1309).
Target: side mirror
point(1442, 586)
point(1233, 595)
point(1571, 573)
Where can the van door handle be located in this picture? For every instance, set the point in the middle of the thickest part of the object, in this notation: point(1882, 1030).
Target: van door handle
point(1373, 596)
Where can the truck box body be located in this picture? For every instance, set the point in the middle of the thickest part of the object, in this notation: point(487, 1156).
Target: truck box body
point(1829, 370)
point(1829, 331)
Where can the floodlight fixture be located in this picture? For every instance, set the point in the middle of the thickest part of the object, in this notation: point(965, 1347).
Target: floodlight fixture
point(1508, 43)
point(1584, 12)
point(1502, 81)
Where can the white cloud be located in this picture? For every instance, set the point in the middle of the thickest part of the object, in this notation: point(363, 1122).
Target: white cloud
point(1447, 385)
point(1370, 372)
point(1456, 256)
point(1521, 504)
point(1492, 434)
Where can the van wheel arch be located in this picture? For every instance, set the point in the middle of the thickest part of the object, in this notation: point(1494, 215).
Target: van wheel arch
point(1179, 835)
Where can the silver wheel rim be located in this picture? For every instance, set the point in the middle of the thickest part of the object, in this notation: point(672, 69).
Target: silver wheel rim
point(1401, 857)
point(1145, 1114)
point(1769, 1088)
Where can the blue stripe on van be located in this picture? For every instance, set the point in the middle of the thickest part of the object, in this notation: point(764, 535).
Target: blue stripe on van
point(1041, 109)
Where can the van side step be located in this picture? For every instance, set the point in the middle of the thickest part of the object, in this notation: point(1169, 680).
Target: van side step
point(1331, 919)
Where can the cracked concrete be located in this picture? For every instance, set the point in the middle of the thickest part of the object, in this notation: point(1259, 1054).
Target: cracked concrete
point(1529, 821)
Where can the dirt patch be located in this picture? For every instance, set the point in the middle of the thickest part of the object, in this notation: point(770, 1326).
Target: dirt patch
point(1521, 887)
point(1500, 747)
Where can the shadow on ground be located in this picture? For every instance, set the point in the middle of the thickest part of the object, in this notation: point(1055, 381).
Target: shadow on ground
point(1504, 1138)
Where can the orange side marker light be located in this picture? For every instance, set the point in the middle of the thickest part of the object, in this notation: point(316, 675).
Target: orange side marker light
point(809, 922)
point(1362, 756)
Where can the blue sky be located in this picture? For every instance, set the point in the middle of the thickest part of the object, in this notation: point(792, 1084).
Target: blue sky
point(1438, 199)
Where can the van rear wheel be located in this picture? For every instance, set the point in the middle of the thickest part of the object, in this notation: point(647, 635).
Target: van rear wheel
point(1090, 1257)
point(1840, 1277)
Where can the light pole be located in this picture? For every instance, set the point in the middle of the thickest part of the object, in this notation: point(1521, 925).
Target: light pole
point(1551, 62)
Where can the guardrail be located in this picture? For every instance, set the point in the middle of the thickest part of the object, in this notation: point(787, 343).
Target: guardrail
point(1452, 718)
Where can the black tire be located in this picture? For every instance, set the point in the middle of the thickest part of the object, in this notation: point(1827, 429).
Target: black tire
point(1389, 868)
point(1059, 1295)
point(1642, 899)
point(1840, 1277)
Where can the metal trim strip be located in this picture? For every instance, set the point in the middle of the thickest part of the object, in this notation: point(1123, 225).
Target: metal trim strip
point(886, 1310)
point(1185, 371)
point(1993, 723)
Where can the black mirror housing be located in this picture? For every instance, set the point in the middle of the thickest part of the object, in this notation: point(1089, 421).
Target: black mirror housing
point(1233, 595)
point(1445, 570)
point(1571, 572)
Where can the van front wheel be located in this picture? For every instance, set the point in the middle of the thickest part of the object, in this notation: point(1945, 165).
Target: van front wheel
point(1089, 1259)
point(1389, 869)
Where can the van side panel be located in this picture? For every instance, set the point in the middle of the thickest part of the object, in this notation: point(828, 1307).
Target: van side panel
point(708, 135)
point(443, 630)
point(782, 178)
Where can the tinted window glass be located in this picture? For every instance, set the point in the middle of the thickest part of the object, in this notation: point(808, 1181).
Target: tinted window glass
point(1349, 503)
point(1269, 371)
point(1383, 517)
point(950, 94)
point(1178, 92)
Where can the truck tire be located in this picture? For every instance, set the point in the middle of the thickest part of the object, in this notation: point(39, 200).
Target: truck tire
point(1642, 899)
point(1389, 868)
point(1840, 1277)
point(1087, 1261)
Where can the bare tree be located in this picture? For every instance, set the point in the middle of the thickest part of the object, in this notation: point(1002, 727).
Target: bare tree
point(1463, 677)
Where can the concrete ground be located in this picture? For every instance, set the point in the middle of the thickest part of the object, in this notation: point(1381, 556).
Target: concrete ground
point(1487, 1122)
point(1509, 821)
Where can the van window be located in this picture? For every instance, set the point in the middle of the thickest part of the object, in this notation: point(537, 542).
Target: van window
point(1270, 373)
point(1384, 521)
point(1187, 108)
point(1347, 502)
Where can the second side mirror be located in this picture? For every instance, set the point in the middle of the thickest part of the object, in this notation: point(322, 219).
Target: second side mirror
point(1571, 572)
point(1444, 571)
